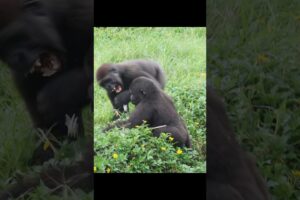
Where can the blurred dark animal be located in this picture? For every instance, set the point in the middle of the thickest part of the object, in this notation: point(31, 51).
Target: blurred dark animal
point(231, 173)
point(116, 79)
point(48, 46)
point(155, 108)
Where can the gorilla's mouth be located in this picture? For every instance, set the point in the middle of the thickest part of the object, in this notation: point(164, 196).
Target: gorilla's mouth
point(117, 89)
point(47, 64)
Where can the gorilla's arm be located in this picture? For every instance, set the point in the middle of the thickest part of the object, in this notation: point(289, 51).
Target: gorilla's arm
point(66, 93)
point(142, 113)
point(122, 99)
point(119, 124)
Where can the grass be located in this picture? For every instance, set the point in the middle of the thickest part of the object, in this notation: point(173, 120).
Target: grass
point(182, 53)
point(16, 131)
point(253, 61)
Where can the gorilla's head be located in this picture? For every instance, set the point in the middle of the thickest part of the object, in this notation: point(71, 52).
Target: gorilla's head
point(31, 45)
point(109, 78)
point(143, 88)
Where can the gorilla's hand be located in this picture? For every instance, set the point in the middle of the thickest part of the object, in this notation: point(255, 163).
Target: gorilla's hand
point(119, 124)
point(122, 99)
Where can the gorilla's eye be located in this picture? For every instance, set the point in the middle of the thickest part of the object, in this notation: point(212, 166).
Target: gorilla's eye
point(113, 70)
point(142, 91)
point(107, 81)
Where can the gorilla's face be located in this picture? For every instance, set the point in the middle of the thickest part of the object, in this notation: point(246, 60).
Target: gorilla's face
point(136, 96)
point(31, 45)
point(142, 88)
point(112, 82)
point(34, 61)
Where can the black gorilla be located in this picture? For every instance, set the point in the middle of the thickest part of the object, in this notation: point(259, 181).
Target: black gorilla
point(48, 48)
point(231, 172)
point(157, 109)
point(116, 79)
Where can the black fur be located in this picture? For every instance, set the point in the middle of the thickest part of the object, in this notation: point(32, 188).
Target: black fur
point(48, 48)
point(157, 109)
point(231, 172)
point(112, 76)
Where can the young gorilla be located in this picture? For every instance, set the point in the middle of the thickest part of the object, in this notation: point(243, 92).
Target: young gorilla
point(47, 49)
point(157, 109)
point(231, 172)
point(116, 79)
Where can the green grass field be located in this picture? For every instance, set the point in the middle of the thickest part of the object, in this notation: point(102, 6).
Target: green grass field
point(253, 61)
point(182, 54)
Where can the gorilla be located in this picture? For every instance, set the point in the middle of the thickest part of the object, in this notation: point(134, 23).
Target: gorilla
point(48, 48)
point(231, 172)
point(116, 79)
point(157, 109)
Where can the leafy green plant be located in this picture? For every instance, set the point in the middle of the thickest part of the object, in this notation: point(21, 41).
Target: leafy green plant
point(138, 151)
point(253, 66)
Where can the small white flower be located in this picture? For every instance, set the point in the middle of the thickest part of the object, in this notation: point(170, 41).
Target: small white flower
point(125, 107)
point(72, 125)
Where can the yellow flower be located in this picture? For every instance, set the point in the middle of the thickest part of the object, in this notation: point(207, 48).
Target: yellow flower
point(46, 145)
point(115, 156)
point(269, 28)
point(296, 173)
point(262, 58)
point(108, 170)
point(179, 151)
point(163, 148)
point(297, 17)
point(171, 139)
point(95, 169)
